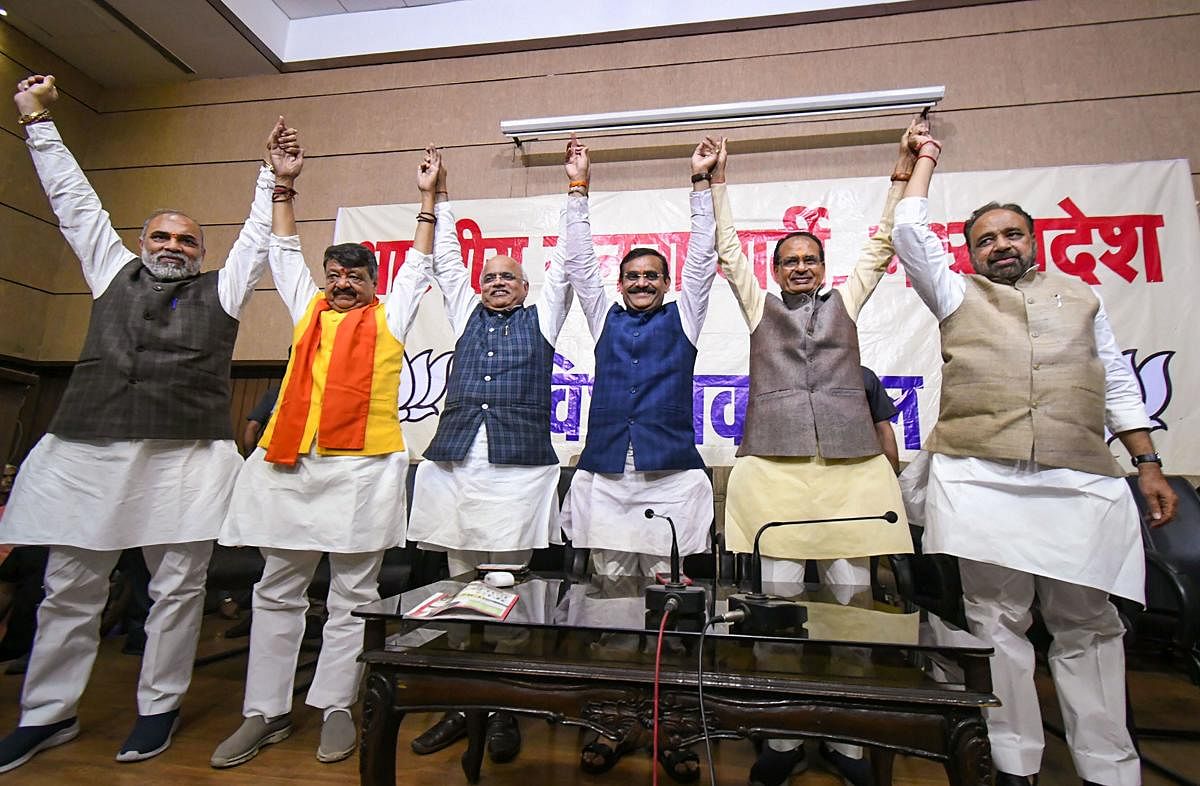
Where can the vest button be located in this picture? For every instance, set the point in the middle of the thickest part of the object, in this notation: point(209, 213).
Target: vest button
point(491, 330)
point(483, 406)
point(633, 389)
point(140, 348)
point(1037, 366)
point(1033, 405)
point(637, 333)
point(490, 354)
point(1030, 300)
point(631, 421)
point(147, 315)
point(158, 287)
point(1034, 334)
point(487, 377)
point(133, 380)
point(635, 361)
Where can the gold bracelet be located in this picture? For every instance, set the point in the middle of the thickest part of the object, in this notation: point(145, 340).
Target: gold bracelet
point(36, 117)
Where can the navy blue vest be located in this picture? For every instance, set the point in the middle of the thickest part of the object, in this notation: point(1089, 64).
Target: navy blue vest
point(501, 377)
point(642, 394)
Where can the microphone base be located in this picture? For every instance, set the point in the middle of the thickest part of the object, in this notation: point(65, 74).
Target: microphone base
point(767, 616)
point(693, 603)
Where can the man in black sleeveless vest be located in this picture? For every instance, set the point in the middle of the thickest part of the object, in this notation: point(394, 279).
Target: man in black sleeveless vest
point(140, 453)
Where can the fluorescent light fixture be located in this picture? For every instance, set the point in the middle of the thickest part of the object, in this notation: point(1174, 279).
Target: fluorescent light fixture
point(729, 114)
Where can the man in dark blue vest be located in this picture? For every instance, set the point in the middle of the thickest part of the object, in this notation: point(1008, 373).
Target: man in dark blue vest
point(641, 445)
point(640, 450)
point(488, 488)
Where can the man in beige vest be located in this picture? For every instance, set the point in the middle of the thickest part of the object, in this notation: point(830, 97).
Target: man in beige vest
point(1022, 487)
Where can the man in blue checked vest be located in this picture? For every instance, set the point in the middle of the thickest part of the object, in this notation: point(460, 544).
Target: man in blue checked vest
point(487, 490)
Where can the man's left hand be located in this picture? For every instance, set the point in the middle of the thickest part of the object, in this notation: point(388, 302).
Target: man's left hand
point(1160, 497)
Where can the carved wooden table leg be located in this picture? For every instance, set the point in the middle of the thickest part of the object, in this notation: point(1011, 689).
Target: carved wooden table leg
point(970, 762)
point(881, 765)
point(381, 724)
point(472, 758)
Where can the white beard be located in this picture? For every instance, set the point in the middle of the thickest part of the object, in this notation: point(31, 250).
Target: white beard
point(171, 270)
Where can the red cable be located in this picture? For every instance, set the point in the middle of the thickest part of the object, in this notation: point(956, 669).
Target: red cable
point(657, 663)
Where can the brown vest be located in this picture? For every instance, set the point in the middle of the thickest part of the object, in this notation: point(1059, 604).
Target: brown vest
point(806, 387)
point(155, 364)
point(1021, 377)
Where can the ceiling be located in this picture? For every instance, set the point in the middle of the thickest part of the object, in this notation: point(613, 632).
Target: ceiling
point(125, 43)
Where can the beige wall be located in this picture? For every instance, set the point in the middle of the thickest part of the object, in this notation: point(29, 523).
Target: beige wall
point(1036, 83)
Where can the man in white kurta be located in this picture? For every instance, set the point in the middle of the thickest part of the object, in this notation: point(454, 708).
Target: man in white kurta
point(110, 476)
point(648, 346)
point(318, 495)
point(1034, 524)
point(487, 491)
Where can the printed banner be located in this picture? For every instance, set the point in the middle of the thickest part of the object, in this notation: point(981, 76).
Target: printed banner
point(1129, 230)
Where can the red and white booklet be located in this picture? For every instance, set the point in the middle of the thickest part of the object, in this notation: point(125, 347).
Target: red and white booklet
point(469, 602)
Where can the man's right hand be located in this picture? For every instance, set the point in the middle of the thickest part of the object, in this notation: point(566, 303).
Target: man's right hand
point(35, 93)
point(285, 153)
point(718, 171)
point(578, 165)
point(429, 172)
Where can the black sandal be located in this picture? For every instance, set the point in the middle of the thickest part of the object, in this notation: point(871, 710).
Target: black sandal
point(608, 754)
point(676, 760)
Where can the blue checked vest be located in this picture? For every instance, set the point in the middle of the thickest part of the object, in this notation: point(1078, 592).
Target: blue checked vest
point(642, 394)
point(501, 377)
point(155, 363)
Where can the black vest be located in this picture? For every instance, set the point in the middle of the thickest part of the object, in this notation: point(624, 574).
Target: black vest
point(501, 376)
point(155, 364)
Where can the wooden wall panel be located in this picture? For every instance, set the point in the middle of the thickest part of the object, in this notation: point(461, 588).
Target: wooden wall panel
point(24, 313)
point(1035, 83)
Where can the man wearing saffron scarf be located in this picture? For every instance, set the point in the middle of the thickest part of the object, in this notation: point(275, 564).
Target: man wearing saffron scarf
point(328, 475)
point(140, 453)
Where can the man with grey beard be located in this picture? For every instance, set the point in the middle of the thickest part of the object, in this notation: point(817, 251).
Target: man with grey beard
point(140, 453)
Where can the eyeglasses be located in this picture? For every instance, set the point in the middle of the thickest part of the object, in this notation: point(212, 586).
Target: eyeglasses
point(505, 276)
point(791, 263)
point(632, 276)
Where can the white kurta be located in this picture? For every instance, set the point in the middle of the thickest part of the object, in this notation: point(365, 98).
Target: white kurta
point(1061, 523)
point(117, 494)
point(343, 504)
point(473, 504)
point(608, 511)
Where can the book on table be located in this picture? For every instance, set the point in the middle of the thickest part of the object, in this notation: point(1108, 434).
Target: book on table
point(474, 600)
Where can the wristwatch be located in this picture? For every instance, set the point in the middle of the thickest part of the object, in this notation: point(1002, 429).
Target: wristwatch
point(1147, 458)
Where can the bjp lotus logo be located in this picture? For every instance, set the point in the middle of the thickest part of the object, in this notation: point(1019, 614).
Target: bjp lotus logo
point(422, 385)
point(1154, 378)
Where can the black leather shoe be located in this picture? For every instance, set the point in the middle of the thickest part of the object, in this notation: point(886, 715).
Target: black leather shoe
point(503, 737)
point(450, 729)
point(856, 772)
point(773, 768)
point(1008, 779)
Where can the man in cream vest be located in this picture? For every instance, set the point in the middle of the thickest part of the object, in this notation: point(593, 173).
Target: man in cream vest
point(1022, 487)
point(328, 475)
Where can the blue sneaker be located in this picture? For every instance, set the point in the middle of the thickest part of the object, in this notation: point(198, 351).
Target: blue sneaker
point(151, 736)
point(25, 742)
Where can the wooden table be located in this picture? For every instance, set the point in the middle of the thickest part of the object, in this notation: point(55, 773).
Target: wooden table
point(577, 654)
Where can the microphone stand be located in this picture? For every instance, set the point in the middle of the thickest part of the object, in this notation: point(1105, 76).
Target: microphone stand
point(767, 615)
point(687, 603)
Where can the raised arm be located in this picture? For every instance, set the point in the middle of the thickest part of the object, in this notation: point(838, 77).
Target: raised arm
point(83, 221)
point(293, 281)
point(408, 285)
point(582, 266)
point(877, 253)
point(700, 267)
point(247, 260)
point(448, 269)
point(732, 259)
point(555, 299)
point(919, 249)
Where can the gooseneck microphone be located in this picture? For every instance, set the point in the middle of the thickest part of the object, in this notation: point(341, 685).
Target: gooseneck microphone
point(685, 604)
point(776, 616)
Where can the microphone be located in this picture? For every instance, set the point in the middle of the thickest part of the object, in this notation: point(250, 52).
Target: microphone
point(650, 514)
point(685, 604)
point(775, 615)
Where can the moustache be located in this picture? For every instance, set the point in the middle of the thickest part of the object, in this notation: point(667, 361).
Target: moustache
point(641, 290)
point(167, 256)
